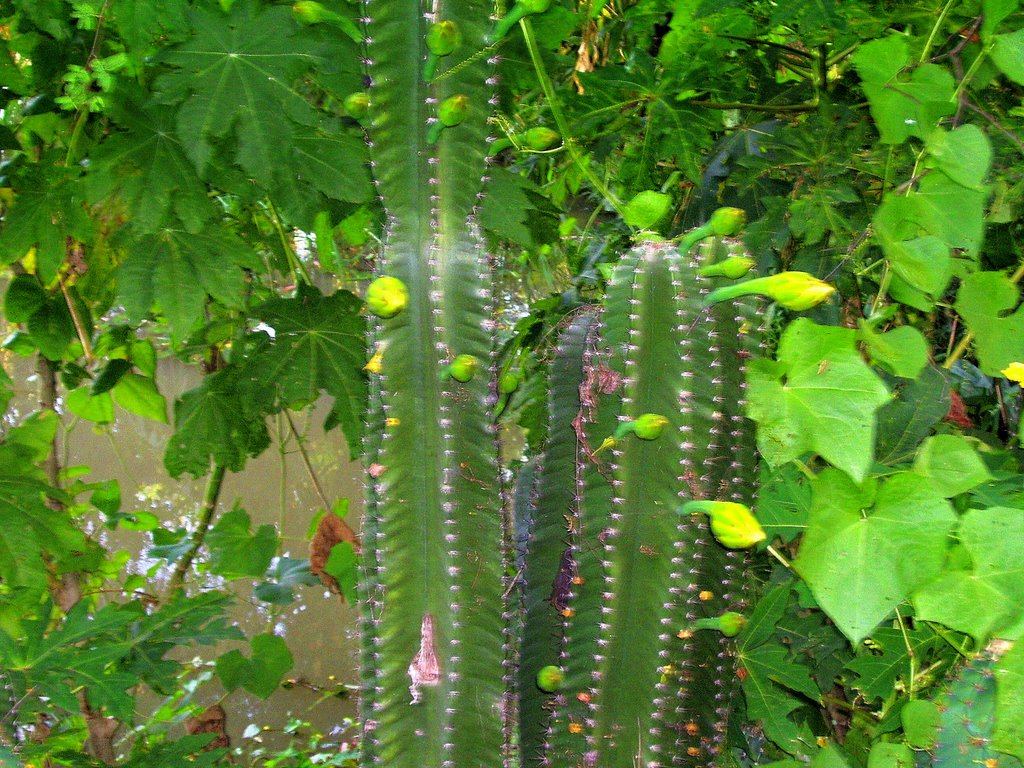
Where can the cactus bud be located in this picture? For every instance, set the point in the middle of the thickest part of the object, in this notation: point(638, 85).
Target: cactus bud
point(387, 296)
point(520, 10)
point(356, 104)
point(463, 368)
point(549, 678)
point(1014, 372)
point(648, 426)
point(450, 113)
point(727, 221)
point(733, 268)
point(442, 39)
point(793, 290)
point(729, 624)
point(732, 524)
point(540, 138)
point(508, 383)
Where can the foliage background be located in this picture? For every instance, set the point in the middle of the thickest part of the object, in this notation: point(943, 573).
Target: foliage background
point(183, 179)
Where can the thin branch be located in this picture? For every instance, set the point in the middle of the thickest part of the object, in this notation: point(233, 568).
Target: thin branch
point(210, 497)
point(995, 124)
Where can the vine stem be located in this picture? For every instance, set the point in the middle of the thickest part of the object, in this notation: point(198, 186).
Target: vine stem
point(926, 51)
point(563, 127)
point(965, 342)
point(210, 497)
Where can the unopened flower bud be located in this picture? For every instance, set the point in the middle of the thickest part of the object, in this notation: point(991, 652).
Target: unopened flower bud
point(793, 290)
point(541, 138)
point(733, 268)
point(549, 678)
point(727, 221)
point(463, 368)
point(732, 524)
point(1014, 372)
point(356, 104)
point(729, 624)
point(387, 296)
point(648, 426)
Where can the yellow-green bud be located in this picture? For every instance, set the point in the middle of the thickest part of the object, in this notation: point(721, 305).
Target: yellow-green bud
point(648, 426)
point(733, 268)
point(443, 38)
point(387, 296)
point(729, 624)
point(508, 383)
point(541, 138)
point(520, 10)
point(793, 290)
point(463, 368)
point(549, 678)
point(453, 110)
point(356, 104)
point(727, 221)
point(732, 524)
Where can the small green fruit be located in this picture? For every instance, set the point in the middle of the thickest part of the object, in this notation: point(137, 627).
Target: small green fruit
point(733, 268)
point(356, 104)
point(647, 426)
point(508, 383)
point(387, 296)
point(463, 368)
point(727, 221)
point(549, 678)
point(541, 138)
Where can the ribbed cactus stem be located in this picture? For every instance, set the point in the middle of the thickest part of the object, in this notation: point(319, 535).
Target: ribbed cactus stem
point(434, 633)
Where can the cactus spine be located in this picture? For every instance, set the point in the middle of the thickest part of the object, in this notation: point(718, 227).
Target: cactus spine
point(433, 638)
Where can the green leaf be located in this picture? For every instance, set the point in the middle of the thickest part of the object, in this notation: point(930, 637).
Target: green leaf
point(902, 351)
point(285, 574)
point(147, 167)
point(111, 374)
point(236, 552)
point(52, 329)
point(951, 212)
point(24, 296)
point(1008, 55)
point(261, 674)
point(964, 154)
point(920, 721)
point(951, 464)
point(214, 422)
point(921, 259)
point(175, 270)
point(830, 756)
point(318, 344)
point(142, 23)
point(646, 209)
point(907, 420)
point(1008, 734)
point(893, 655)
point(98, 408)
point(783, 502)
point(988, 598)
point(994, 13)
point(139, 395)
point(889, 755)
point(333, 162)
point(986, 302)
point(342, 565)
point(861, 564)
point(515, 209)
point(902, 106)
point(236, 75)
point(819, 396)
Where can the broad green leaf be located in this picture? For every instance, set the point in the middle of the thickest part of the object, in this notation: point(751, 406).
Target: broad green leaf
point(52, 329)
point(951, 464)
point(1008, 735)
point(35, 434)
point(237, 552)
point(1008, 54)
point(783, 502)
point(889, 755)
point(174, 271)
point(139, 395)
point(24, 296)
point(964, 154)
point(318, 344)
point(342, 565)
point(865, 551)
point(830, 756)
point(902, 351)
point(285, 574)
point(236, 75)
point(144, 23)
point(920, 721)
point(333, 162)
point(260, 674)
point(146, 165)
point(214, 423)
point(989, 598)
point(921, 259)
point(646, 209)
point(901, 105)
point(515, 209)
point(819, 396)
point(110, 375)
point(994, 13)
point(951, 212)
point(893, 655)
point(907, 420)
point(986, 301)
point(84, 404)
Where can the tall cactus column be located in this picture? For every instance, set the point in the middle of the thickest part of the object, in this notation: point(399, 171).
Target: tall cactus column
point(433, 665)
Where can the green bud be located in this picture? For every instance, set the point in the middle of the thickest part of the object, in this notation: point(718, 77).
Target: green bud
point(733, 268)
point(387, 296)
point(648, 426)
point(540, 138)
point(549, 678)
point(453, 110)
point(793, 290)
point(463, 368)
point(732, 524)
point(729, 624)
point(356, 104)
point(727, 221)
point(646, 209)
point(508, 383)
point(443, 38)
point(520, 10)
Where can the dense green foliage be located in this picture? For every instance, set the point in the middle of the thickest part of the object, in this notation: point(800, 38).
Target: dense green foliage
point(184, 179)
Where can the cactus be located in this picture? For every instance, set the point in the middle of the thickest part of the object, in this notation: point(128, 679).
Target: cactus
point(434, 645)
point(967, 717)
